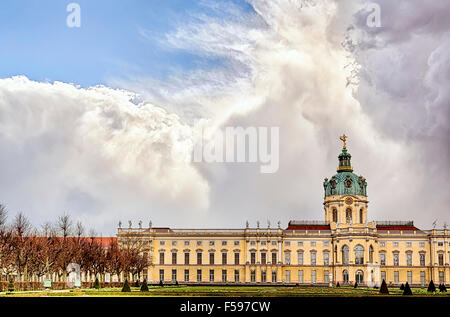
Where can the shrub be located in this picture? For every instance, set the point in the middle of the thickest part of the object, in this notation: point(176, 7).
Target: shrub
point(431, 287)
point(176, 282)
point(160, 283)
point(442, 288)
point(96, 283)
point(407, 289)
point(144, 286)
point(384, 289)
point(137, 284)
point(126, 286)
point(338, 285)
point(356, 285)
point(402, 287)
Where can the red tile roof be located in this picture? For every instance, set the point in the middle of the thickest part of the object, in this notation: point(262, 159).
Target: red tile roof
point(308, 227)
point(399, 228)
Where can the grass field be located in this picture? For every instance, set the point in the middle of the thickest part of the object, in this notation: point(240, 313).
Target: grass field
point(223, 291)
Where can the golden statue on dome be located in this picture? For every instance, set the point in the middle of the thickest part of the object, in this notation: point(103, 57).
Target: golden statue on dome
point(344, 139)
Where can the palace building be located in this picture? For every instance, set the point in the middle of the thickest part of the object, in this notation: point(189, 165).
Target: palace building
point(345, 247)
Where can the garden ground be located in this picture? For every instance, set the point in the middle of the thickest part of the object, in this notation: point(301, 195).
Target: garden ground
point(223, 291)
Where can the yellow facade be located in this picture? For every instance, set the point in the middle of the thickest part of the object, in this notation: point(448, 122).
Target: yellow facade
point(344, 248)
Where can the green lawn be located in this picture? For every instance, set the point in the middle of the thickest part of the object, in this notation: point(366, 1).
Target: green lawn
point(226, 291)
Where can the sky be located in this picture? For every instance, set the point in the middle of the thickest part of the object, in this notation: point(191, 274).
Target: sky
point(89, 115)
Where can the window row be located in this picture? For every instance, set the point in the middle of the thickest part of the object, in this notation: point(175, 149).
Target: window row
point(200, 242)
point(199, 258)
point(396, 244)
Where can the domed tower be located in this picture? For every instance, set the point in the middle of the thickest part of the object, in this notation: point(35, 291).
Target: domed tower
point(345, 193)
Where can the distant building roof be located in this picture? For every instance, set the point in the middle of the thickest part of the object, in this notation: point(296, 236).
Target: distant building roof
point(307, 225)
point(396, 225)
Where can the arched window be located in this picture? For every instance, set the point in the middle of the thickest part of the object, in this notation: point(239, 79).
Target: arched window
point(359, 277)
point(345, 254)
point(335, 215)
point(361, 216)
point(359, 254)
point(345, 276)
point(348, 215)
point(371, 254)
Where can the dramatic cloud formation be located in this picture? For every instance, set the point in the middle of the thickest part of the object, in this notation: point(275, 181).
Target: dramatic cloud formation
point(313, 68)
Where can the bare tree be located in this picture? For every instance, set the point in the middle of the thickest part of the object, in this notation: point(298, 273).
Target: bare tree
point(64, 225)
point(3, 215)
point(21, 226)
point(79, 230)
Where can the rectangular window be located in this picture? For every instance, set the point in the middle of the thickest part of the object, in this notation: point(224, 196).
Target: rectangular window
point(313, 243)
point(174, 243)
point(287, 243)
point(382, 244)
point(396, 259)
point(300, 258)
point(300, 276)
point(422, 278)
point(326, 243)
point(288, 276)
point(441, 259)
point(422, 244)
point(252, 276)
point(395, 244)
point(211, 258)
point(274, 258)
point(174, 258)
point(263, 276)
point(174, 275)
point(409, 277)
point(161, 258)
point(199, 276)
point(199, 258)
point(313, 276)
point(408, 244)
point(161, 275)
point(224, 258)
point(186, 242)
point(263, 258)
point(396, 277)
point(162, 242)
point(236, 276)
point(211, 275)
point(274, 243)
point(409, 259)
point(313, 258)
point(236, 243)
point(236, 258)
point(274, 276)
point(383, 276)
point(186, 275)
point(326, 276)
point(224, 276)
point(186, 258)
point(252, 258)
point(199, 243)
point(326, 258)
point(440, 244)
point(287, 257)
point(211, 243)
point(441, 277)
point(422, 259)
point(224, 242)
point(300, 244)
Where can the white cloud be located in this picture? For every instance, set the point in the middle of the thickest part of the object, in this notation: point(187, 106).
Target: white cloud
point(93, 153)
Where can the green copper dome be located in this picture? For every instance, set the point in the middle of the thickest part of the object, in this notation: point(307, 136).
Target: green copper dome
point(345, 182)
